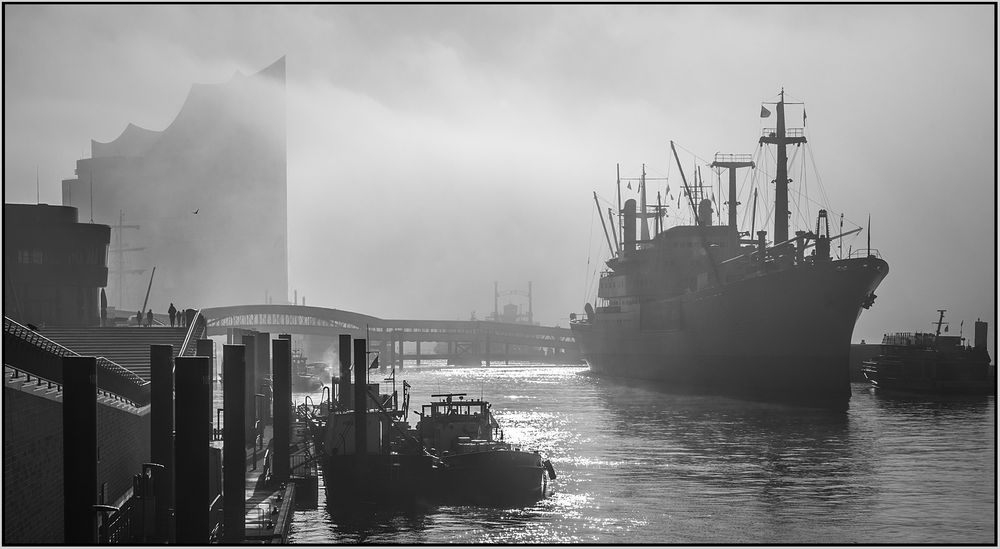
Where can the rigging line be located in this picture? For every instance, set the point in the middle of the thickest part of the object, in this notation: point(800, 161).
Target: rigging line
point(590, 249)
point(819, 178)
point(749, 184)
point(692, 153)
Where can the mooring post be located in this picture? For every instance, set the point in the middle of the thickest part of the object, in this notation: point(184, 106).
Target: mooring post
point(193, 436)
point(263, 366)
point(79, 449)
point(250, 388)
point(282, 351)
point(206, 347)
point(161, 433)
point(344, 353)
point(234, 442)
point(360, 399)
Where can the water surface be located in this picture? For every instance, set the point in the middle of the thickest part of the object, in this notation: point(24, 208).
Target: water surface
point(637, 464)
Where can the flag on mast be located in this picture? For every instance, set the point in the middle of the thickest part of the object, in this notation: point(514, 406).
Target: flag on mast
point(764, 113)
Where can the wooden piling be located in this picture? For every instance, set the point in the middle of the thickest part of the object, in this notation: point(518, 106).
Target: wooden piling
point(282, 362)
point(193, 436)
point(234, 445)
point(80, 449)
point(161, 435)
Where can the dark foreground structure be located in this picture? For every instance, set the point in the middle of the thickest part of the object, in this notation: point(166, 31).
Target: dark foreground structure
point(699, 307)
point(53, 266)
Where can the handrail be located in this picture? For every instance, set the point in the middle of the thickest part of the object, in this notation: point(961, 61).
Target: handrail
point(121, 382)
point(199, 324)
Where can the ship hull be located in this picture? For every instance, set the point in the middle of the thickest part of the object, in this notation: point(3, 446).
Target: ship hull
point(392, 480)
point(783, 336)
point(495, 477)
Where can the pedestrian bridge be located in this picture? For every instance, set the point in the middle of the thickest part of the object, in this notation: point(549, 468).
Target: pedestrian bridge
point(479, 339)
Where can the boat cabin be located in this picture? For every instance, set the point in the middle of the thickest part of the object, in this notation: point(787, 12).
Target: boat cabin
point(455, 424)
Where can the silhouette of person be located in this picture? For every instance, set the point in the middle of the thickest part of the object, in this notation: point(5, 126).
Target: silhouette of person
point(149, 318)
point(172, 311)
point(138, 318)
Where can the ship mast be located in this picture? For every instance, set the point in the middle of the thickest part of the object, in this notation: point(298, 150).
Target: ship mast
point(780, 137)
point(940, 322)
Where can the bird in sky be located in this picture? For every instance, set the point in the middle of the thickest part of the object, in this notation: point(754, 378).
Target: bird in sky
point(196, 211)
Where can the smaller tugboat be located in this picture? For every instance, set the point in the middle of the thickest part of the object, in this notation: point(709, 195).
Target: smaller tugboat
point(477, 466)
point(305, 375)
point(933, 363)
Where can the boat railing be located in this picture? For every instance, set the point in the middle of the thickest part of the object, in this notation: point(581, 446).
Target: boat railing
point(908, 339)
point(789, 132)
point(864, 252)
point(730, 157)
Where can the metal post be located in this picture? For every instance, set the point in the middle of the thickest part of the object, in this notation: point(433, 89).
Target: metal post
point(282, 350)
point(80, 449)
point(234, 442)
point(194, 434)
point(161, 436)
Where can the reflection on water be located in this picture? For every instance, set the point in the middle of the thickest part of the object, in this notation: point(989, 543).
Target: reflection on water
point(640, 465)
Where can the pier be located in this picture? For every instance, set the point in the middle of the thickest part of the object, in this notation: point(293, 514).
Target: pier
point(155, 472)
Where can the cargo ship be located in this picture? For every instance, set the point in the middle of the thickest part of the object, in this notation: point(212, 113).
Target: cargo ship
point(701, 307)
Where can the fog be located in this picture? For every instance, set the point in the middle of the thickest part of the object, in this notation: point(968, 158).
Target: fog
point(433, 150)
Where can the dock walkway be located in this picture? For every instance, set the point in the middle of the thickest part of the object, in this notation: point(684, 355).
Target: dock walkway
point(269, 507)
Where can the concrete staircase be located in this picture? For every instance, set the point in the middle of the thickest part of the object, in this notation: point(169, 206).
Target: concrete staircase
point(126, 346)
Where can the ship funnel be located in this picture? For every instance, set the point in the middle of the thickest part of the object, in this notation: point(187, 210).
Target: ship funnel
point(980, 341)
point(629, 225)
point(705, 213)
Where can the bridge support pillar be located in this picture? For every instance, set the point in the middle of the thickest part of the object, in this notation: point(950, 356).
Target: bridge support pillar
point(506, 353)
point(418, 352)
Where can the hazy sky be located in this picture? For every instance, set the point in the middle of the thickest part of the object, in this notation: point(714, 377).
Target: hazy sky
point(435, 149)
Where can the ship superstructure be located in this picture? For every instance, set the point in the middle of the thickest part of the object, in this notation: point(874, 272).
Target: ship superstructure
point(701, 306)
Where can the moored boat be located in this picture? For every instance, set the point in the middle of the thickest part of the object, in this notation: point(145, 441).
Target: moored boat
point(933, 363)
point(477, 465)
